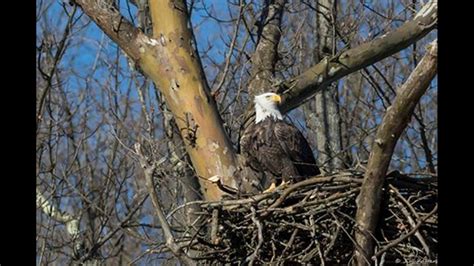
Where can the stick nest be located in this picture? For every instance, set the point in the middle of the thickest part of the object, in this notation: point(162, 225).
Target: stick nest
point(313, 221)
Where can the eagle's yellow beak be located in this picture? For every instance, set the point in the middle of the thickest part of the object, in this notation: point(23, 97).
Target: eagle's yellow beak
point(276, 98)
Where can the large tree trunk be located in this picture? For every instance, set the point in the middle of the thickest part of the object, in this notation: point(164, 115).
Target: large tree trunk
point(322, 114)
point(170, 59)
point(266, 52)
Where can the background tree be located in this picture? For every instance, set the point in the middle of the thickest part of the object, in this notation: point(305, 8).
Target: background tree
point(323, 114)
point(141, 103)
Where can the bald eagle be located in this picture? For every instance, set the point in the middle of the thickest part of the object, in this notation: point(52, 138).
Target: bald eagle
point(274, 147)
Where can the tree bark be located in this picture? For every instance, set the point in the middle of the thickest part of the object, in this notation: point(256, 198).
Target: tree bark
point(170, 59)
point(394, 122)
point(265, 56)
point(302, 87)
point(323, 115)
point(266, 52)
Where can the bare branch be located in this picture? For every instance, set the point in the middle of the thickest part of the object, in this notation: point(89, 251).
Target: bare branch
point(266, 52)
point(170, 242)
point(300, 88)
point(394, 122)
point(72, 224)
point(118, 28)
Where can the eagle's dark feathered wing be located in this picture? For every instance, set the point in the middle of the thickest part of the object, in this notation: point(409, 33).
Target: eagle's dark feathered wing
point(279, 150)
point(297, 148)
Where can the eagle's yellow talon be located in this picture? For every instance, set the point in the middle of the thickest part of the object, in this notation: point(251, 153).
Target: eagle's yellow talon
point(273, 187)
point(270, 189)
point(283, 185)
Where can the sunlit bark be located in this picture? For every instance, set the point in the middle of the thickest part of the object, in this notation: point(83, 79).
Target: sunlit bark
point(171, 61)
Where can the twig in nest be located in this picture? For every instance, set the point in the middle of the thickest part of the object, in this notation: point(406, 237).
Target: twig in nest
point(333, 241)
point(320, 253)
point(357, 246)
point(290, 243)
point(400, 239)
point(341, 177)
point(313, 235)
point(406, 213)
point(214, 226)
point(252, 257)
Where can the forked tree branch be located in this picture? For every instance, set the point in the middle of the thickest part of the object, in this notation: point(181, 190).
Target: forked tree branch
point(170, 59)
point(266, 52)
point(118, 28)
point(149, 169)
point(71, 223)
point(394, 122)
point(265, 56)
point(302, 87)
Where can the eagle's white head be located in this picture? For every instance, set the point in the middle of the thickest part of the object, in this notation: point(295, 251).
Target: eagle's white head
point(266, 105)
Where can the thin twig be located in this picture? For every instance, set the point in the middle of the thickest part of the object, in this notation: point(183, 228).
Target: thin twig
point(411, 232)
point(252, 257)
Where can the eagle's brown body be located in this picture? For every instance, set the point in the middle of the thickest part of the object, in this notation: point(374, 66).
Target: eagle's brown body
point(278, 150)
